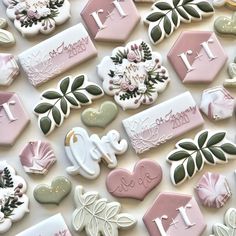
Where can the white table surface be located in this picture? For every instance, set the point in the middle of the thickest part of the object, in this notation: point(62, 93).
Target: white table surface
point(31, 96)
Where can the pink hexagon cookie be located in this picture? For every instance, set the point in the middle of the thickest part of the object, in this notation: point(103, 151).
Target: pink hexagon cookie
point(13, 118)
point(174, 214)
point(194, 53)
point(9, 69)
point(110, 20)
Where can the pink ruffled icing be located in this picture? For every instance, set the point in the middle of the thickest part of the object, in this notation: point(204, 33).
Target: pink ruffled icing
point(213, 190)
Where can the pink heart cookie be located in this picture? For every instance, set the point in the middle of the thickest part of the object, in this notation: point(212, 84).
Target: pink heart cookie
point(146, 175)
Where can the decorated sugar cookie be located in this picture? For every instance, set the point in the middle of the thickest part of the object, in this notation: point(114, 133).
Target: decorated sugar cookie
point(56, 104)
point(146, 175)
point(8, 68)
point(174, 214)
point(85, 153)
point(37, 157)
point(217, 103)
point(166, 16)
point(157, 125)
point(97, 216)
point(52, 226)
point(229, 3)
point(213, 190)
point(13, 118)
point(13, 200)
point(227, 229)
point(231, 82)
point(107, 112)
point(37, 16)
point(193, 53)
point(54, 194)
point(226, 26)
point(57, 54)
point(6, 38)
point(110, 20)
point(134, 75)
point(190, 156)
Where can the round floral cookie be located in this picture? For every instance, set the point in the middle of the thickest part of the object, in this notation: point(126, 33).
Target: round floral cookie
point(133, 75)
point(33, 16)
point(13, 201)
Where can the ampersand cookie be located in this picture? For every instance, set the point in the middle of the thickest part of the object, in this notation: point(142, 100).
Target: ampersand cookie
point(134, 75)
point(146, 175)
point(37, 16)
point(85, 153)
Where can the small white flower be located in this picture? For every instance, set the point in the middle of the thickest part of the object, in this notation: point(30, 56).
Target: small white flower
point(21, 6)
point(142, 88)
point(149, 65)
point(43, 11)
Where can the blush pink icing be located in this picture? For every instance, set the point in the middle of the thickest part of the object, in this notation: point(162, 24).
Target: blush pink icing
point(213, 190)
point(194, 53)
point(146, 175)
point(115, 26)
point(37, 157)
point(174, 214)
point(13, 118)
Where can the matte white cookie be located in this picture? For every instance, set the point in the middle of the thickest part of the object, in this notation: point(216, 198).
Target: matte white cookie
point(37, 16)
point(85, 153)
point(52, 226)
point(6, 38)
point(134, 75)
point(97, 216)
point(13, 200)
point(9, 69)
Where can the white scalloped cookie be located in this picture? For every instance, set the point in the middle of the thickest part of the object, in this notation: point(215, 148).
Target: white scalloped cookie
point(37, 16)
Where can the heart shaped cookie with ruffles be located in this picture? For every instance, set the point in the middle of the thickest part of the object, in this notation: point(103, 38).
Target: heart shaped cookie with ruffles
point(102, 117)
point(54, 194)
point(226, 26)
point(146, 175)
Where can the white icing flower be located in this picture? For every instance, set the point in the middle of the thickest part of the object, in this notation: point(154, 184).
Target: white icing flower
point(149, 65)
point(142, 88)
point(21, 6)
point(43, 11)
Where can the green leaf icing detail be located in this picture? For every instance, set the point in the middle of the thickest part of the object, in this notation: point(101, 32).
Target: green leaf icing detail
point(56, 103)
point(167, 15)
point(190, 155)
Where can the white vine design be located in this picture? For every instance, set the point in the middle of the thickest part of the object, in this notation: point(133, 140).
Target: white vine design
point(97, 216)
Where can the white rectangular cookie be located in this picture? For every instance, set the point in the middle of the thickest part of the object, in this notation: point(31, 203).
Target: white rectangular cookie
point(57, 54)
point(52, 226)
point(156, 125)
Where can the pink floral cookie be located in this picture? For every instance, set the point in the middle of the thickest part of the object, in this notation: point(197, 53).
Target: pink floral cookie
point(37, 16)
point(134, 75)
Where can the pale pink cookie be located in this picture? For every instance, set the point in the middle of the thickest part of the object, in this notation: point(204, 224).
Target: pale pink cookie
point(163, 122)
point(37, 16)
point(52, 226)
point(57, 54)
point(110, 20)
point(217, 103)
point(194, 53)
point(174, 214)
point(37, 157)
point(13, 118)
point(146, 176)
point(9, 69)
point(213, 190)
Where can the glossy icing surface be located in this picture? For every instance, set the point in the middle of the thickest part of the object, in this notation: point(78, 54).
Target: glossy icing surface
point(163, 122)
point(194, 53)
point(13, 118)
point(146, 175)
point(57, 54)
point(110, 20)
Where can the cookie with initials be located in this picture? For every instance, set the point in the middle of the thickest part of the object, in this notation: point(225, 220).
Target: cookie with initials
point(146, 176)
point(133, 75)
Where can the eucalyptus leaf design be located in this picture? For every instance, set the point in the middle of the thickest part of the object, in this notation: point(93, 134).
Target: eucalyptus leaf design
point(230, 224)
point(98, 216)
point(166, 16)
point(55, 104)
point(190, 155)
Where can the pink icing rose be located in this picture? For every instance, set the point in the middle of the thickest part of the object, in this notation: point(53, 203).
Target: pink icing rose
point(31, 14)
point(124, 86)
point(132, 56)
